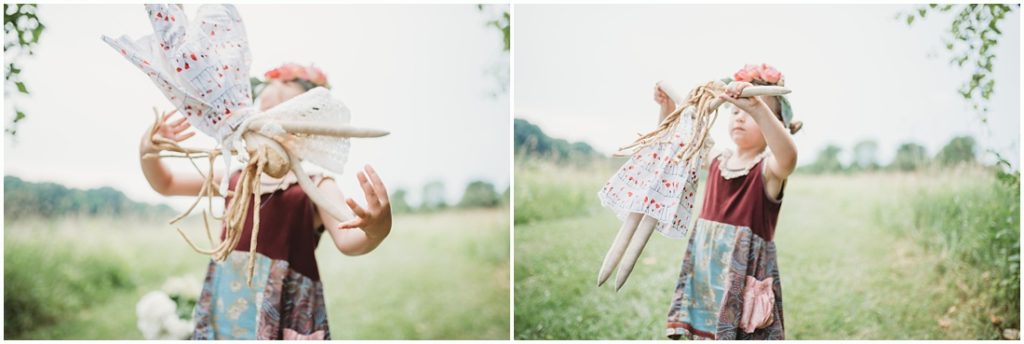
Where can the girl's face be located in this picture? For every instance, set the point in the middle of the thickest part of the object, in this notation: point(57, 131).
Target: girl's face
point(744, 131)
point(277, 92)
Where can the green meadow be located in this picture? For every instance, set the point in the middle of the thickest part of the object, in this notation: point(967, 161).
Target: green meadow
point(438, 276)
point(932, 254)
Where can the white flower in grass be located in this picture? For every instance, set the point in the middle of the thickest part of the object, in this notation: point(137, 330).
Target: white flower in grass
point(177, 328)
point(158, 312)
point(184, 286)
point(151, 311)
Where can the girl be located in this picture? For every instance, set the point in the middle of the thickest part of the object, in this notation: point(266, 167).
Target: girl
point(286, 299)
point(729, 286)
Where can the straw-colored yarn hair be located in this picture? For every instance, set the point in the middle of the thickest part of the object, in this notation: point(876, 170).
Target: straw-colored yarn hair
point(701, 98)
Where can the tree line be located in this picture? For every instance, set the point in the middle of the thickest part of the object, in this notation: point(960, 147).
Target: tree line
point(909, 156)
point(27, 199)
point(530, 140)
point(24, 199)
point(478, 194)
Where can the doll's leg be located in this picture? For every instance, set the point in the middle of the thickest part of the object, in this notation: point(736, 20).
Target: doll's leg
point(611, 259)
point(636, 247)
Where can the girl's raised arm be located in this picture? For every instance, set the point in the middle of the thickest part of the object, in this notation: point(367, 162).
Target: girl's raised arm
point(782, 162)
point(365, 228)
point(160, 178)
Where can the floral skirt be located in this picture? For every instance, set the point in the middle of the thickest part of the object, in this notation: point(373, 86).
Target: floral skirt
point(281, 304)
point(708, 300)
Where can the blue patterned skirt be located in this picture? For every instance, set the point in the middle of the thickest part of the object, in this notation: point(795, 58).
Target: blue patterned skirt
point(708, 300)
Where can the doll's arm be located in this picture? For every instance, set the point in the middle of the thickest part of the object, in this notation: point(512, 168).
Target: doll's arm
point(665, 101)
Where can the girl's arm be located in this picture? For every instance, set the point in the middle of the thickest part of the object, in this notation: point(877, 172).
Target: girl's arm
point(160, 178)
point(367, 227)
point(782, 162)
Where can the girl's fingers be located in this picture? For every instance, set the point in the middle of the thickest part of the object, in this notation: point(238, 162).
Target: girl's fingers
point(182, 126)
point(178, 122)
point(168, 115)
point(727, 98)
point(350, 224)
point(183, 137)
point(378, 185)
point(356, 208)
point(372, 200)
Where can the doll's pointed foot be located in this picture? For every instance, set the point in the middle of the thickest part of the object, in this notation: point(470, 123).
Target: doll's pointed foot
point(621, 277)
point(634, 250)
point(602, 276)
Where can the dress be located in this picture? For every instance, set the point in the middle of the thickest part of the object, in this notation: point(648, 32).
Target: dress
point(286, 300)
point(731, 240)
point(651, 183)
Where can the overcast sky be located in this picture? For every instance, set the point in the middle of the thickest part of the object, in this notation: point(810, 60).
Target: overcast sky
point(587, 72)
point(420, 71)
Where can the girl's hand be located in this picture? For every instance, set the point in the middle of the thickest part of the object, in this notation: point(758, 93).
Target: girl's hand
point(171, 131)
point(376, 220)
point(666, 102)
point(749, 105)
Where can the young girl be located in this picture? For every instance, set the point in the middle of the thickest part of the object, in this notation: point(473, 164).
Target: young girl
point(729, 286)
point(286, 299)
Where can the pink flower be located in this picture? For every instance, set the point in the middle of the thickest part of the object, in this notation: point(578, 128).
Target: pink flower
point(293, 71)
point(770, 74)
point(747, 74)
point(317, 76)
point(300, 72)
point(763, 74)
point(285, 73)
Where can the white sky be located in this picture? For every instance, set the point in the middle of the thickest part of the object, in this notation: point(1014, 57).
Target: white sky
point(587, 72)
point(420, 71)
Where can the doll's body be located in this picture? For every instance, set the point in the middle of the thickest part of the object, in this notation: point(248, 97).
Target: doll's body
point(652, 183)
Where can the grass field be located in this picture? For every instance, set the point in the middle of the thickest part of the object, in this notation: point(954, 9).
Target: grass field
point(849, 268)
point(443, 275)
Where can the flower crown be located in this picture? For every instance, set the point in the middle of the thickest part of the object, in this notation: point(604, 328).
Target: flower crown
point(765, 75)
point(309, 77)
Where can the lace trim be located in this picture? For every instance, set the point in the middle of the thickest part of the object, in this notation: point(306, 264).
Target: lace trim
point(729, 173)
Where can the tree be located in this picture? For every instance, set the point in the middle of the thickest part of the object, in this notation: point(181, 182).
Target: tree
point(529, 139)
point(22, 29)
point(399, 202)
point(500, 19)
point(909, 157)
point(974, 33)
point(433, 196)
point(479, 194)
point(827, 161)
point(865, 155)
point(959, 150)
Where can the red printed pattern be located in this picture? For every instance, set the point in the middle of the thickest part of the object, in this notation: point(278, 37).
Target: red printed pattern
point(652, 184)
point(202, 67)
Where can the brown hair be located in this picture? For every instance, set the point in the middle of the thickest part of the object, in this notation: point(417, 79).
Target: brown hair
point(776, 107)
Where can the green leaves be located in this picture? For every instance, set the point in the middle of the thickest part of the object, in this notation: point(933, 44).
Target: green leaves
point(19, 20)
point(973, 35)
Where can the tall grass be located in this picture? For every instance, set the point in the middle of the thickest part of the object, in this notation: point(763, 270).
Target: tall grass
point(439, 275)
point(546, 190)
point(972, 220)
point(41, 289)
point(852, 256)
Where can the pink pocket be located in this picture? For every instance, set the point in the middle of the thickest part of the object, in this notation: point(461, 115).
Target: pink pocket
point(758, 304)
